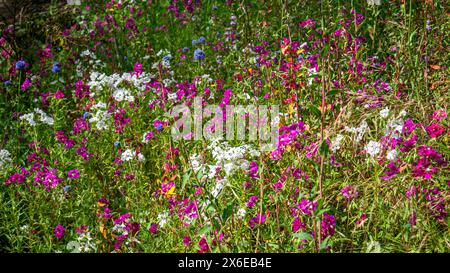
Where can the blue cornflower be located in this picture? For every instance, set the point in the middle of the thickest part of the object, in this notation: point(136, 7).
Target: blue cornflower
point(194, 42)
point(86, 114)
point(159, 127)
point(218, 34)
point(167, 58)
point(201, 40)
point(20, 64)
point(117, 143)
point(199, 54)
point(66, 188)
point(56, 67)
point(185, 49)
point(215, 7)
point(7, 82)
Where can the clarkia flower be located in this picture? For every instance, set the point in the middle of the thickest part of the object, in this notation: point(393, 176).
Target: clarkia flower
point(73, 174)
point(153, 228)
point(59, 231)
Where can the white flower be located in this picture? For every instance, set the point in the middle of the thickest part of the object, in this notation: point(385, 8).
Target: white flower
point(336, 143)
point(392, 155)
point(5, 157)
point(374, 2)
point(162, 218)
point(241, 213)
point(101, 118)
point(373, 148)
point(218, 188)
point(195, 163)
point(29, 118)
point(384, 113)
point(360, 131)
point(123, 94)
point(127, 155)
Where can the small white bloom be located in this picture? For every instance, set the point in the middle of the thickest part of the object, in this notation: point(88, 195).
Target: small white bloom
point(29, 118)
point(163, 218)
point(373, 148)
point(5, 157)
point(241, 213)
point(384, 113)
point(127, 155)
point(336, 143)
point(374, 2)
point(392, 155)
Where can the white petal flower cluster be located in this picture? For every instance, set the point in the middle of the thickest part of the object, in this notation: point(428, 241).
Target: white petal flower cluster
point(102, 117)
point(373, 148)
point(130, 154)
point(43, 117)
point(359, 131)
point(5, 157)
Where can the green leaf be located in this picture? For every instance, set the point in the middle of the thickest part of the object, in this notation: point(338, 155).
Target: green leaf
point(303, 236)
point(333, 92)
point(205, 230)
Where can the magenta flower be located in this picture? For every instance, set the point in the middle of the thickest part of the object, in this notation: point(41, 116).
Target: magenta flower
point(186, 240)
point(253, 170)
point(349, 192)
point(439, 114)
point(138, 68)
point(328, 224)
point(297, 225)
point(251, 201)
point(435, 130)
point(153, 228)
point(26, 84)
point(73, 174)
point(259, 219)
point(59, 231)
point(203, 244)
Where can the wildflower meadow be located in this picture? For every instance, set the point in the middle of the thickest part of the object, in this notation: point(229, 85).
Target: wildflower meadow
point(225, 126)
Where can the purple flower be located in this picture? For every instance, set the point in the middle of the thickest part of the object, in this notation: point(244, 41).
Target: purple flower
point(251, 201)
point(259, 219)
point(328, 224)
point(435, 130)
point(73, 174)
point(59, 231)
point(153, 228)
point(186, 241)
point(253, 170)
point(349, 192)
point(297, 225)
point(26, 84)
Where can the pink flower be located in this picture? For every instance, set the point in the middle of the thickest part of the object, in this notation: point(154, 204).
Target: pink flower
point(435, 130)
point(59, 231)
point(439, 114)
point(186, 241)
point(259, 219)
point(349, 192)
point(59, 94)
point(73, 174)
point(297, 225)
point(26, 84)
point(153, 228)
